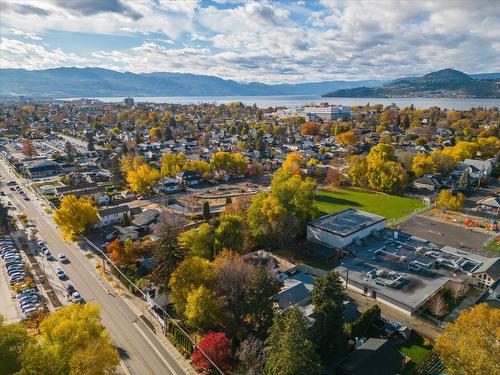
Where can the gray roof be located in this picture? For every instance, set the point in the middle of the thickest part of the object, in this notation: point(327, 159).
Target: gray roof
point(113, 210)
point(292, 295)
point(346, 222)
point(375, 356)
point(146, 218)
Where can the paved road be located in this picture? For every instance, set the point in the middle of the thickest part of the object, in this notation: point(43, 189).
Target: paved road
point(141, 351)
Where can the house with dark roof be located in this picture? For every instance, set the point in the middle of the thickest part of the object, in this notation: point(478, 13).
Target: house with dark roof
point(189, 178)
point(112, 215)
point(43, 168)
point(375, 356)
point(145, 218)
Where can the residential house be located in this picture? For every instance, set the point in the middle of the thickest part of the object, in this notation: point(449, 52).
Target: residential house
point(167, 185)
point(375, 356)
point(43, 169)
point(189, 178)
point(112, 215)
point(491, 204)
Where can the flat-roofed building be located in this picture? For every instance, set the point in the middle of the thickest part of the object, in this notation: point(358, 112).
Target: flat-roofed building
point(340, 229)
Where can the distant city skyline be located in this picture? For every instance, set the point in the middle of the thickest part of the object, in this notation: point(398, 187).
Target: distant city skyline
point(264, 41)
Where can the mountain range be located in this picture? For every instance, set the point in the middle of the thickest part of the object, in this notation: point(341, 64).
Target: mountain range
point(446, 83)
point(98, 82)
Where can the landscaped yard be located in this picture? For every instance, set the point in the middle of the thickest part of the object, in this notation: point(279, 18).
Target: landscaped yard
point(389, 206)
point(416, 349)
point(494, 246)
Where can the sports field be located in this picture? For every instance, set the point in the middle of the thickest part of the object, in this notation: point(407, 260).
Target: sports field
point(389, 206)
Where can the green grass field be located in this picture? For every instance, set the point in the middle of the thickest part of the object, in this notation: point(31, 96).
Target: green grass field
point(389, 206)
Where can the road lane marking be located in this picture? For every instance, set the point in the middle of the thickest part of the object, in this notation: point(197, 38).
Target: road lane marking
point(154, 347)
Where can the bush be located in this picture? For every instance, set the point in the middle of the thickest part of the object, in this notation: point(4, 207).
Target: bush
point(360, 326)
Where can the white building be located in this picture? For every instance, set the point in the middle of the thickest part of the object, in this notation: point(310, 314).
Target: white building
point(340, 229)
point(113, 215)
point(328, 113)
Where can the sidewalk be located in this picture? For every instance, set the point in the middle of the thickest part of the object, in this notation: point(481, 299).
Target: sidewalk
point(466, 303)
point(141, 308)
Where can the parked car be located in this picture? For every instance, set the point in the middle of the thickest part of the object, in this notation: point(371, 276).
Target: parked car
point(60, 273)
point(62, 258)
point(70, 289)
point(49, 255)
point(77, 298)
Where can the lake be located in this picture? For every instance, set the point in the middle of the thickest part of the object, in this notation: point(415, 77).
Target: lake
point(296, 100)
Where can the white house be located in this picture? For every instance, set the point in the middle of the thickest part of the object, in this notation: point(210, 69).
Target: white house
point(112, 215)
point(166, 185)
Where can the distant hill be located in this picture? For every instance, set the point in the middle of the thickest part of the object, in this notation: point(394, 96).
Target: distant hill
point(98, 82)
point(446, 83)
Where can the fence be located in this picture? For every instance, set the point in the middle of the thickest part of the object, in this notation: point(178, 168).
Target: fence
point(393, 222)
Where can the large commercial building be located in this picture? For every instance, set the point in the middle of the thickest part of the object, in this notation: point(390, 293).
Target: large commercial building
point(328, 113)
point(340, 229)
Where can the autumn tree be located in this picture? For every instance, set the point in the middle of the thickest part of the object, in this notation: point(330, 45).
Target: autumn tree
point(437, 305)
point(310, 128)
point(74, 215)
point(202, 308)
point(358, 167)
point(13, 341)
point(200, 166)
point(293, 162)
point(191, 273)
point(288, 351)
point(171, 164)
point(328, 327)
point(232, 163)
point(155, 133)
point(28, 148)
point(347, 139)
point(470, 345)
point(198, 241)
point(131, 162)
point(444, 163)
point(251, 356)
point(423, 164)
point(72, 341)
point(446, 199)
point(142, 179)
point(218, 348)
point(229, 233)
point(122, 255)
point(334, 177)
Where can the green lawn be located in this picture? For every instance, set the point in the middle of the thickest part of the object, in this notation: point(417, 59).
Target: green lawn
point(494, 246)
point(389, 206)
point(415, 349)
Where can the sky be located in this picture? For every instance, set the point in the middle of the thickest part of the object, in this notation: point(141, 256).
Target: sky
point(263, 41)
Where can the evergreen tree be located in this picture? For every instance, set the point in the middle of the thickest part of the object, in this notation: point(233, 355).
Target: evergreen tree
point(167, 256)
point(287, 350)
point(327, 331)
point(398, 121)
point(206, 211)
point(406, 122)
point(90, 143)
point(464, 182)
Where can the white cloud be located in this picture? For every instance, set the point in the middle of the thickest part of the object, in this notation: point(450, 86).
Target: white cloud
point(267, 40)
point(25, 35)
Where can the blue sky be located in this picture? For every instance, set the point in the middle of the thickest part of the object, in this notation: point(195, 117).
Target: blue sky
point(266, 41)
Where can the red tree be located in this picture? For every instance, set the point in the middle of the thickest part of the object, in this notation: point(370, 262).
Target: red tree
point(218, 347)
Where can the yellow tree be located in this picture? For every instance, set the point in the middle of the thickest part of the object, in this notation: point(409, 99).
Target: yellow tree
point(293, 162)
point(358, 167)
point(202, 308)
point(422, 164)
point(142, 179)
point(131, 162)
point(347, 138)
point(471, 344)
point(74, 215)
point(172, 163)
point(189, 275)
point(80, 339)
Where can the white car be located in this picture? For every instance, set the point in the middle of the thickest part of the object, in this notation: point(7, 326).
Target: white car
point(60, 273)
point(77, 298)
point(62, 258)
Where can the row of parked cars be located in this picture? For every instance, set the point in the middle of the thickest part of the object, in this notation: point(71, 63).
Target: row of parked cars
point(28, 298)
point(15, 187)
point(70, 289)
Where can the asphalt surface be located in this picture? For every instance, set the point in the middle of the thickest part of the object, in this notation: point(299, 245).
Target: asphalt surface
point(444, 233)
point(141, 351)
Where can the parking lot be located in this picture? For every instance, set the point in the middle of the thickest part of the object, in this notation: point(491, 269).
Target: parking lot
point(444, 233)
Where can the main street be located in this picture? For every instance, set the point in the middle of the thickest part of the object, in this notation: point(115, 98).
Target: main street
point(141, 351)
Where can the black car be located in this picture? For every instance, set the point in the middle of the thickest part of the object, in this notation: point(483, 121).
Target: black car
point(70, 289)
